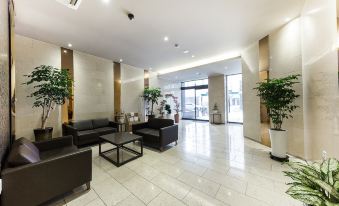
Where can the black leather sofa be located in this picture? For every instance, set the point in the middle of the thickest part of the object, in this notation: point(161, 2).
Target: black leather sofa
point(34, 173)
point(157, 133)
point(88, 131)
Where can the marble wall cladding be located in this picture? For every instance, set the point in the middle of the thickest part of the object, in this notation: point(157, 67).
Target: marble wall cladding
point(30, 53)
point(93, 87)
point(320, 78)
point(216, 94)
point(285, 59)
point(132, 87)
point(4, 79)
point(251, 102)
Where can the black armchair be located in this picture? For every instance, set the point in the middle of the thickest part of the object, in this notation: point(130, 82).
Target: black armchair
point(157, 133)
point(61, 168)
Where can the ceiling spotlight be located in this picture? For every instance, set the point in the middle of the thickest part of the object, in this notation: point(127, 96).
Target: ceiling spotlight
point(287, 19)
point(176, 45)
point(130, 16)
point(186, 52)
point(193, 56)
point(166, 38)
point(69, 45)
point(121, 60)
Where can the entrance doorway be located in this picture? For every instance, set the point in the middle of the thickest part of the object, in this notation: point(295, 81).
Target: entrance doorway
point(194, 100)
point(234, 98)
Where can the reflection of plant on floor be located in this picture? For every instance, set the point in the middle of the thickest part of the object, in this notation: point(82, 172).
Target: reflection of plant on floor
point(168, 109)
point(315, 184)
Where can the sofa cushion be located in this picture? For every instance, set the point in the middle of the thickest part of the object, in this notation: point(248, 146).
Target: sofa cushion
point(83, 125)
point(147, 131)
point(157, 123)
point(21, 154)
point(97, 123)
point(87, 136)
point(105, 130)
point(58, 152)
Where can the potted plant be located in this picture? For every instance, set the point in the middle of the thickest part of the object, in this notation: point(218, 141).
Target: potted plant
point(161, 108)
point(215, 109)
point(176, 106)
point(278, 96)
point(168, 110)
point(151, 96)
point(315, 184)
point(52, 87)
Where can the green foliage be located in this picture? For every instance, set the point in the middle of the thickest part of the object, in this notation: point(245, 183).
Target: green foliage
point(168, 109)
point(278, 95)
point(315, 184)
point(51, 87)
point(151, 96)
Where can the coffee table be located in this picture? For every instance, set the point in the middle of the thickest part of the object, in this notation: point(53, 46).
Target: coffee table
point(119, 140)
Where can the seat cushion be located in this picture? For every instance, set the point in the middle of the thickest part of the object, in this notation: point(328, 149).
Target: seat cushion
point(157, 123)
point(147, 131)
point(83, 125)
point(105, 130)
point(21, 154)
point(58, 152)
point(97, 123)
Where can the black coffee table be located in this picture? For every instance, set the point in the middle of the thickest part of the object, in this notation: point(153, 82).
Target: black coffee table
point(119, 140)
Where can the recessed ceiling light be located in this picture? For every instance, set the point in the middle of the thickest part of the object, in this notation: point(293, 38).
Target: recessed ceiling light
point(287, 19)
point(121, 60)
point(193, 56)
point(186, 52)
point(70, 45)
point(166, 38)
point(176, 45)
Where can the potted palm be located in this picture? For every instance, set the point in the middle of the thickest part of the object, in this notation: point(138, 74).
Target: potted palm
point(52, 87)
point(315, 184)
point(278, 96)
point(151, 97)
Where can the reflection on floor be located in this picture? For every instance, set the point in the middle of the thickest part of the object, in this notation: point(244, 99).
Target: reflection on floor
point(212, 165)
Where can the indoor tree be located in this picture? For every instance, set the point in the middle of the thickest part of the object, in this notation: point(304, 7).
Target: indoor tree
point(51, 87)
point(151, 96)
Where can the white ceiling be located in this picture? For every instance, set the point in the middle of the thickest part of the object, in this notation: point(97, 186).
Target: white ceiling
point(204, 27)
point(225, 67)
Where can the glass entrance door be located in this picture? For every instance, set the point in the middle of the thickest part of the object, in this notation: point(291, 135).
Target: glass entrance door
point(194, 100)
point(234, 99)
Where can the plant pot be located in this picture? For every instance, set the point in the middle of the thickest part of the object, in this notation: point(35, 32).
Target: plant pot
point(176, 118)
point(278, 144)
point(43, 134)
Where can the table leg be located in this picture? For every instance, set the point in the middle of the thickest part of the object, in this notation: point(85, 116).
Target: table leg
point(118, 158)
point(142, 148)
point(99, 147)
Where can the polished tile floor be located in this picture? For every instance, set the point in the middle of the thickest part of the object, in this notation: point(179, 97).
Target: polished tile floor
point(211, 165)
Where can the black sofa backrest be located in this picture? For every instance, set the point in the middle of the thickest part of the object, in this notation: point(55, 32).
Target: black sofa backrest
point(82, 125)
point(97, 123)
point(157, 123)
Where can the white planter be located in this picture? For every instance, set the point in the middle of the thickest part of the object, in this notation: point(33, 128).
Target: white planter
point(278, 143)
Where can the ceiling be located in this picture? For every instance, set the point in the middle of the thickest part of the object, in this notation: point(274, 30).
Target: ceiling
point(205, 28)
point(225, 67)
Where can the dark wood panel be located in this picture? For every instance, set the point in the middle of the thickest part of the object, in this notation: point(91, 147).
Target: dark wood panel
point(67, 62)
point(117, 87)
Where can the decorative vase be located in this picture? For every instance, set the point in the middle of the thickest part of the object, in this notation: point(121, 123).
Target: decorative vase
point(176, 118)
point(43, 134)
point(278, 144)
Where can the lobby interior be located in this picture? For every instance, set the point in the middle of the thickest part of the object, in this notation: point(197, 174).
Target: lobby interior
point(206, 58)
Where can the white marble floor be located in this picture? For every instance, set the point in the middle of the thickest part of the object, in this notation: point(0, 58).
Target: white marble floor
point(211, 165)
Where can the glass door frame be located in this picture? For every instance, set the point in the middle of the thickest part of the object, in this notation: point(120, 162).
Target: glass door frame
point(195, 88)
point(227, 105)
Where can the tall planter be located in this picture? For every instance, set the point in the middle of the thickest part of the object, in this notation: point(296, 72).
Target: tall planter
point(176, 118)
point(278, 95)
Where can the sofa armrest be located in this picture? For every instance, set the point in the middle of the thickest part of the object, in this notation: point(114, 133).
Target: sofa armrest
point(38, 182)
point(138, 126)
point(70, 130)
point(55, 143)
point(168, 134)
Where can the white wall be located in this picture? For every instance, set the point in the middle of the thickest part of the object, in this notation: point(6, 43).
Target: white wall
point(132, 87)
point(285, 59)
point(320, 78)
point(251, 102)
point(93, 87)
point(30, 53)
